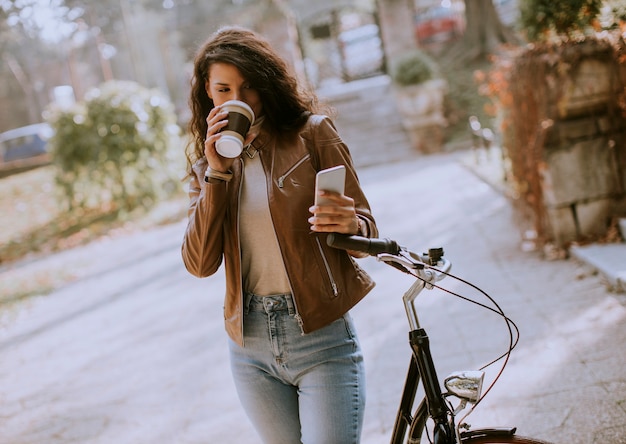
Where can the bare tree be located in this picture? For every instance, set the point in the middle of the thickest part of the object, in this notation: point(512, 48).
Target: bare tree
point(23, 57)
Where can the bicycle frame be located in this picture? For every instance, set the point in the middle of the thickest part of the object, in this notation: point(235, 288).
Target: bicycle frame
point(421, 367)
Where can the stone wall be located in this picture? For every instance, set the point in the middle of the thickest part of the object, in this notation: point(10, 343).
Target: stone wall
point(584, 169)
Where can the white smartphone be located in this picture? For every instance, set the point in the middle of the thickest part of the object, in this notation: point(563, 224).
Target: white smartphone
point(330, 179)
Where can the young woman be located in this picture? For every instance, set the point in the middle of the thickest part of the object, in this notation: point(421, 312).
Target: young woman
point(295, 357)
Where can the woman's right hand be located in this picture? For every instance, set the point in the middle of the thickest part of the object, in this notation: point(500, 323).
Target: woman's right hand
point(216, 120)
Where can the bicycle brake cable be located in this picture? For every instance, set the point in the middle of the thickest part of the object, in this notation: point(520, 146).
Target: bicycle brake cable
point(512, 328)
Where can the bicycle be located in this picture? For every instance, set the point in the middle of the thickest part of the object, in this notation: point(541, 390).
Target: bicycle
point(466, 386)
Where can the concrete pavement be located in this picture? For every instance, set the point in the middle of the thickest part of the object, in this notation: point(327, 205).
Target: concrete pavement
point(134, 350)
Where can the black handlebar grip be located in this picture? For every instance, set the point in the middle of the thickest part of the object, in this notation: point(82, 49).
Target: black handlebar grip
point(372, 247)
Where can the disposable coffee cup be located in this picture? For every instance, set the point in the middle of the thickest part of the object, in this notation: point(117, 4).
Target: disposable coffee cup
point(240, 119)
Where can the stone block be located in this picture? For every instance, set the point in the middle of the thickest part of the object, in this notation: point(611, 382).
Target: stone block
point(593, 217)
point(608, 123)
point(577, 222)
point(622, 227)
point(585, 127)
point(588, 90)
point(585, 171)
point(562, 225)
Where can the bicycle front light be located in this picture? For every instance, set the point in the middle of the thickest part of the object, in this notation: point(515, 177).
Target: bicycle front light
point(466, 384)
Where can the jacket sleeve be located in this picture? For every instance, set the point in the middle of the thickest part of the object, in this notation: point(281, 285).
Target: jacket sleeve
point(202, 248)
point(331, 151)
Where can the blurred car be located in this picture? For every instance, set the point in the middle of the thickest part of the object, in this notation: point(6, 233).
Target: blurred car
point(24, 148)
point(438, 24)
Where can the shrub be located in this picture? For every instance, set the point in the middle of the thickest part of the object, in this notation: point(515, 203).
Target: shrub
point(542, 18)
point(114, 150)
point(413, 68)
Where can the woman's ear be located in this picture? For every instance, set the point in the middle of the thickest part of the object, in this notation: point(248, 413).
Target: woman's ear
point(207, 89)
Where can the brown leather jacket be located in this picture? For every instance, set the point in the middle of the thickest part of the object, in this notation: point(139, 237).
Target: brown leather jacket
point(325, 282)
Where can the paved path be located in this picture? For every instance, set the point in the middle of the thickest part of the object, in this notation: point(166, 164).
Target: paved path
point(135, 353)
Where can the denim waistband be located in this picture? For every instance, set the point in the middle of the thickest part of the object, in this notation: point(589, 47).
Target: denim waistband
point(269, 304)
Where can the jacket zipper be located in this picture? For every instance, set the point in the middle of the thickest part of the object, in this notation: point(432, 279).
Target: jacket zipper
point(242, 296)
point(296, 316)
point(282, 178)
point(281, 181)
point(328, 270)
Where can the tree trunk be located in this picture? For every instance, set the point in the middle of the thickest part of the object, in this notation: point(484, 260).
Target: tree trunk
point(397, 27)
point(34, 113)
point(484, 32)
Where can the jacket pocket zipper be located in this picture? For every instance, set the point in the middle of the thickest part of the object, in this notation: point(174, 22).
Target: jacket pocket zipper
point(329, 273)
point(282, 178)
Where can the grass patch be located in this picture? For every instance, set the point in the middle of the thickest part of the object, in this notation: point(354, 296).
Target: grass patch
point(35, 225)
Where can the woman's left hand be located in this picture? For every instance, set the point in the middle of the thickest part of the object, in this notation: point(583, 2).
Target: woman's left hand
point(336, 216)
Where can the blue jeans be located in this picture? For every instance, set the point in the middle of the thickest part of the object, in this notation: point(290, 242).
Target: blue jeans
point(298, 388)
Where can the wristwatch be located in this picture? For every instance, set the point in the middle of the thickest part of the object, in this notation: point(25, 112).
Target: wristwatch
point(362, 227)
point(217, 175)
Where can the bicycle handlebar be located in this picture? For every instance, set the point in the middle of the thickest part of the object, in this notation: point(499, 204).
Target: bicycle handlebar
point(388, 251)
point(373, 247)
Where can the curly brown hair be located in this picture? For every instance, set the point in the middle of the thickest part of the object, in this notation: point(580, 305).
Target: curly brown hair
point(286, 106)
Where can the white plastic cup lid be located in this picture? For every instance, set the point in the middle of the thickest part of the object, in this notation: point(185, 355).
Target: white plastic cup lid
point(229, 146)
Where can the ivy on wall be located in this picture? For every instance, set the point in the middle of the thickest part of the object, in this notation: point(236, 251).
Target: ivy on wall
point(526, 89)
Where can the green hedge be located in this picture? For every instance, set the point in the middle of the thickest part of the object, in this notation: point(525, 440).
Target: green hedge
point(117, 149)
